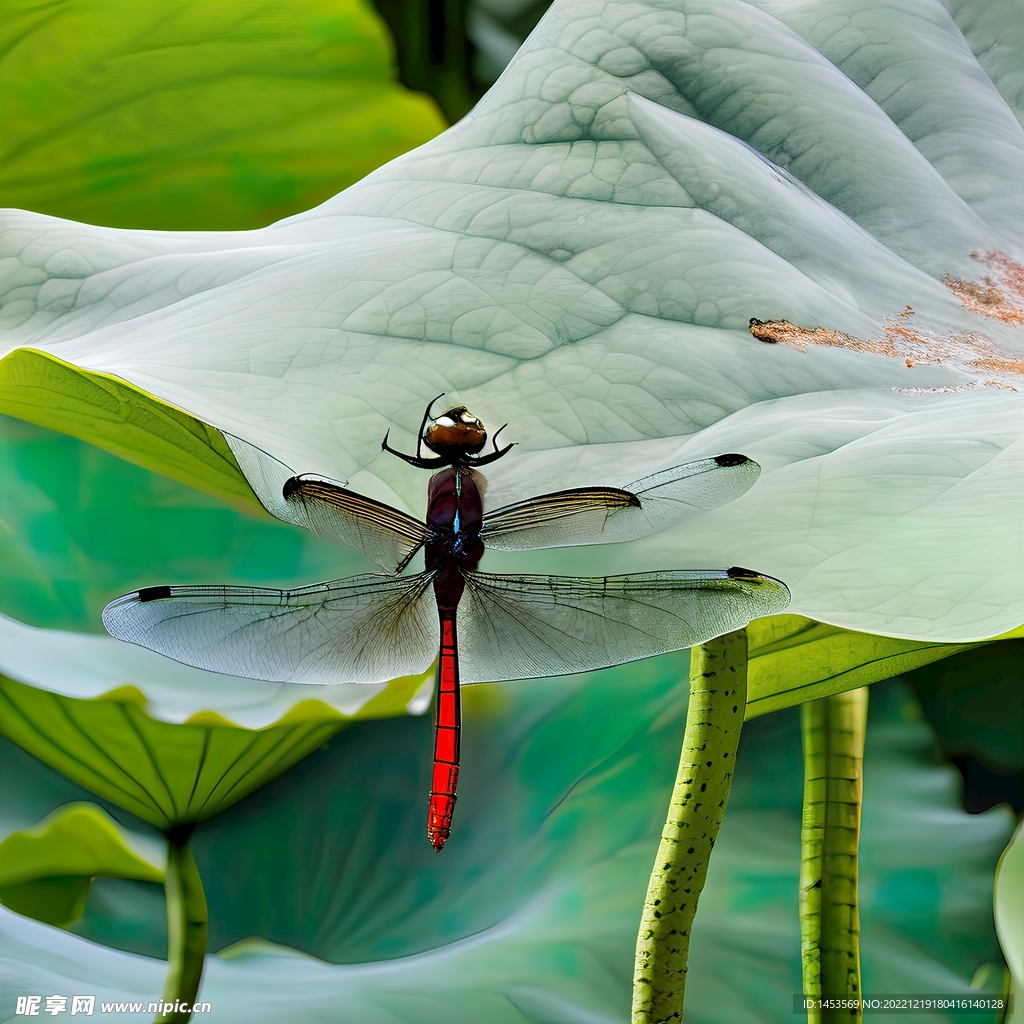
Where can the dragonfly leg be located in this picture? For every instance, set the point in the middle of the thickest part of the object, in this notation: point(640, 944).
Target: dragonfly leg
point(447, 729)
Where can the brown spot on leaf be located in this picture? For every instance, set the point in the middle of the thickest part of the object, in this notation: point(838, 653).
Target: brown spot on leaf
point(902, 339)
point(999, 296)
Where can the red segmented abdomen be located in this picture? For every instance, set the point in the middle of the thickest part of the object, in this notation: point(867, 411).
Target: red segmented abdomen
point(448, 725)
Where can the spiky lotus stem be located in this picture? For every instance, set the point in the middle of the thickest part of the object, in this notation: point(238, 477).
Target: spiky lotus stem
point(833, 735)
point(718, 697)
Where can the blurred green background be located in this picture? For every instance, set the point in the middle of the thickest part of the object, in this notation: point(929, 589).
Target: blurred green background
point(245, 112)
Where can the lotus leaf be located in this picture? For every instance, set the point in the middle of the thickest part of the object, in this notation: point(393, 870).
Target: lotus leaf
point(121, 912)
point(580, 256)
point(165, 773)
point(47, 872)
point(793, 659)
point(243, 112)
point(996, 38)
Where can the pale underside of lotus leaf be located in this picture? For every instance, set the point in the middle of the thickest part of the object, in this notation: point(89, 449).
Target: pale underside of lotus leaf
point(580, 257)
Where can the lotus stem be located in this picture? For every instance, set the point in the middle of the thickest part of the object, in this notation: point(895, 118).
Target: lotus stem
point(718, 696)
point(833, 735)
point(186, 930)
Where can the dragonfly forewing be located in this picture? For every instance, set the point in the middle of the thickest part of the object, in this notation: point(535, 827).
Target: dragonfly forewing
point(606, 515)
point(386, 535)
point(365, 629)
point(521, 627)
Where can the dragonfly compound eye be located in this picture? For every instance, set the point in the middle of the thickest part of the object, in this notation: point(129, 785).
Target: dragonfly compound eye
point(454, 433)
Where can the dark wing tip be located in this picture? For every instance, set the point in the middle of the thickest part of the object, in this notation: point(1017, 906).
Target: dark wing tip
point(312, 485)
point(739, 573)
point(731, 459)
point(154, 593)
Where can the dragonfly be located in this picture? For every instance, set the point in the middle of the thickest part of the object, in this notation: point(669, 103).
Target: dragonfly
point(477, 626)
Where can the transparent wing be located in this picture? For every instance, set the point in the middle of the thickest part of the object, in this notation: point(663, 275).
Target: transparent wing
point(387, 536)
point(559, 519)
point(522, 627)
point(365, 629)
point(607, 515)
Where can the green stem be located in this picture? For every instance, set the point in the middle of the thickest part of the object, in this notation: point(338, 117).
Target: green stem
point(186, 931)
point(718, 696)
point(833, 733)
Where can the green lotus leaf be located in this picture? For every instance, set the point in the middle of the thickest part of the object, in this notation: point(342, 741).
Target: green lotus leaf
point(105, 411)
point(47, 872)
point(58, 899)
point(165, 774)
point(531, 913)
point(188, 115)
point(793, 659)
point(118, 910)
point(580, 256)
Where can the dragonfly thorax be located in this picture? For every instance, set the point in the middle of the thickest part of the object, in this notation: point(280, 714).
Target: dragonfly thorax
point(455, 501)
point(455, 516)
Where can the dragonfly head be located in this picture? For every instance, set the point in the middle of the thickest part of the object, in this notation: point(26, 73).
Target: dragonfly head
point(455, 437)
point(454, 434)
